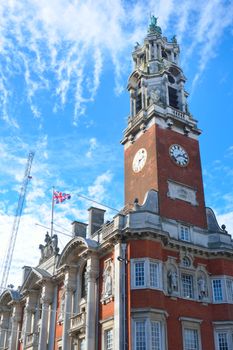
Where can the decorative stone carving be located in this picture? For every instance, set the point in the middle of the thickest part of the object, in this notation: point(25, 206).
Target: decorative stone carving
point(182, 192)
point(155, 95)
point(62, 307)
point(50, 248)
point(107, 293)
point(172, 277)
point(202, 287)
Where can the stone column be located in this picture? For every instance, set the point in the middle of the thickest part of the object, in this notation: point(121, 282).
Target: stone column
point(143, 94)
point(69, 285)
point(16, 318)
point(182, 97)
point(118, 339)
point(150, 48)
point(46, 299)
point(4, 328)
point(92, 274)
point(30, 306)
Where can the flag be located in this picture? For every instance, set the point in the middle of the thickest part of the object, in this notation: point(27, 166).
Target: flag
point(60, 197)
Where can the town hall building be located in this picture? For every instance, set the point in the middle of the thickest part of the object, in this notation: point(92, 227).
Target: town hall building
point(159, 275)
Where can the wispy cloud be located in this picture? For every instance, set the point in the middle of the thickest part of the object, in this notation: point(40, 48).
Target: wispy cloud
point(61, 47)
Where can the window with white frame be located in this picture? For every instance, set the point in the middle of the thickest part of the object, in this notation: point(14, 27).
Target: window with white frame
point(230, 290)
point(108, 335)
point(217, 287)
point(139, 270)
point(154, 278)
point(146, 273)
point(148, 334)
point(184, 233)
point(224, 338)
point(187, 285)
point(191, 333)
point(191, 339)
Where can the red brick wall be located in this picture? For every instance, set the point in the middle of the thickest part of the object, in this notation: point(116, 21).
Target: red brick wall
point(105, 310)
point(137, 184)
point(159, 168)
point(190, 176)
point(176, 308)
point(58, 326)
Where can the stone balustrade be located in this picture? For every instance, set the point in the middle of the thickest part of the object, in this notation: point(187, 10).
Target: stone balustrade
point(78, 322)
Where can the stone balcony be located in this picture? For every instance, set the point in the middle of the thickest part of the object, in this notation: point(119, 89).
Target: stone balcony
point(78, 323)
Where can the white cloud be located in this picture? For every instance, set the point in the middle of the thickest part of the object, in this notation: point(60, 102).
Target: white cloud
point(97, 191)
point(62, 46)
point(226, 219)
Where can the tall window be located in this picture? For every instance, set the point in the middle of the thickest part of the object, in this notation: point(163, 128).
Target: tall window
point(139, 273)
point(154, 281)
point(184, 233)
point(148, 335)
point(230, 290)
point(191, 339)
point(84, 282)
point(217, 290)
point(140, 335)
point(187, 286)
point(109, 339)
point(222, 341)
point(173, 97)
point(155, 335)
point(146, 273)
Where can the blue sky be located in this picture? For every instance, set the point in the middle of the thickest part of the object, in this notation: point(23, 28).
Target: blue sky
point(64, 67)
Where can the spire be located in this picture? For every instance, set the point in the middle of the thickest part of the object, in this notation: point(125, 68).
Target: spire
point(153, 28)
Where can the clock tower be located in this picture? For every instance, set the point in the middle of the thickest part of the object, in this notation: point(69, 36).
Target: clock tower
point(161, 145)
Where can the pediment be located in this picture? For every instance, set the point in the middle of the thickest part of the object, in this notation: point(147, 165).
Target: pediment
point(72, 251)
point(34, 278)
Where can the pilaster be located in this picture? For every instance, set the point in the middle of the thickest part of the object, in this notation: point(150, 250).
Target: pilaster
point(46, 299)
point(4, 328)
point(69, 285)
point(92, 274)
point(15, 320)
point(118, 339)
point(31, 302)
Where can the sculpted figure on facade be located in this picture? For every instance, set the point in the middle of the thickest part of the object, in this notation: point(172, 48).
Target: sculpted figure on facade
point(108, 280)
point(50, 248)
point(172, 280)
point(202, 287)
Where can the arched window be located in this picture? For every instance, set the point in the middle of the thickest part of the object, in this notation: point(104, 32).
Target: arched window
point(84, 282)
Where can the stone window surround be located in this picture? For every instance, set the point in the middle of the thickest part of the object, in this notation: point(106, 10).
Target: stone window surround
point(105, 326)
point(150, 315)
point(193, 324)
point(147, 284)
point(162, 274)
point(223, 327)
point(226, 298)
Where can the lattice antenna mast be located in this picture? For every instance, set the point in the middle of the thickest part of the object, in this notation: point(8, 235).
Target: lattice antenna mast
point(13, 236)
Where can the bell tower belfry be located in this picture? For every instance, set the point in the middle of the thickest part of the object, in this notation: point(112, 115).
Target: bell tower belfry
point(161, 139)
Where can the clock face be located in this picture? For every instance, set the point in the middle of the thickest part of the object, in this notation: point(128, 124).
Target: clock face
point(139, 160)
point(179, 155)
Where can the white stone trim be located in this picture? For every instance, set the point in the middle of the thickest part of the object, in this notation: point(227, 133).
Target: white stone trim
point(147, 284)
point(182, 192)
point(192, 324)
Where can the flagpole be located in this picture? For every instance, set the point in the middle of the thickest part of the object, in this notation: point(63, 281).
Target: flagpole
point(52, 212)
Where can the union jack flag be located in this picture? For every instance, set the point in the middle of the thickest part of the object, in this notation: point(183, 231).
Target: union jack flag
point(60, 197)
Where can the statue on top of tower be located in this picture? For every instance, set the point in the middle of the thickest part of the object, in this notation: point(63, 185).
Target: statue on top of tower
point(153, 28)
